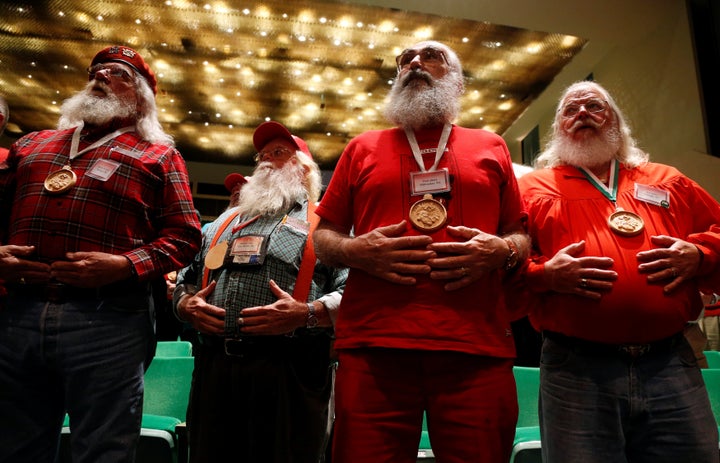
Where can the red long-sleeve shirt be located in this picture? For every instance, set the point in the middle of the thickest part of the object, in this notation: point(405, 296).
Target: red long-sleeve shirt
point(564, 208)
point(143, 210)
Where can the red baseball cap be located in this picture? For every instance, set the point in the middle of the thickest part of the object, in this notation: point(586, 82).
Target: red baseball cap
point(126, 55)
point(233, 179)
point(269, 131)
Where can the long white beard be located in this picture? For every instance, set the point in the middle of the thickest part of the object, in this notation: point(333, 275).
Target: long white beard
point(417, 100)
point(270, 191)
point(590, 152)
point(93, 109)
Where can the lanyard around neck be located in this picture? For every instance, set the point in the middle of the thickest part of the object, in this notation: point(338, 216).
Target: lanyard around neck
point(75, 143)
point(447, 128)
point(609, 190)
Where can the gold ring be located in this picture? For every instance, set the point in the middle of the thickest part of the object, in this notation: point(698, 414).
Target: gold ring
point(673, 271)
point(22, 280)
point(240, 321)
point(583, 283)
point(464, 271)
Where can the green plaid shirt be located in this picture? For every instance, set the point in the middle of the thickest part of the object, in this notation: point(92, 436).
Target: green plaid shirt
point(241, 287)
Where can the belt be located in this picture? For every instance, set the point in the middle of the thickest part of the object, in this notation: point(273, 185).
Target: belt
point(58, 293)
point(582, 346)
point(247, 346)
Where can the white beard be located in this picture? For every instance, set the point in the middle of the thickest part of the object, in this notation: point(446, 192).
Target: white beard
point(84, 107)
point(270, 191)
point(593, 151)
point(419, 101)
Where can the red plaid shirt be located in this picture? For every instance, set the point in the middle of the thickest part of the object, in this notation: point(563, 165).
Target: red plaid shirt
point(144, 210)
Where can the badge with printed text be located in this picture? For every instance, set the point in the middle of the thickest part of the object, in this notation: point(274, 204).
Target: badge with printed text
point(103, 169)
point(652, 195)
point(422, 183)
point(247, 250)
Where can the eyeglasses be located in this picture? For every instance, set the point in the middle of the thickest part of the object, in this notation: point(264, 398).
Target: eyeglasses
point(591, 106)
point(113, 71)
point(277, 153)
point(428, 55)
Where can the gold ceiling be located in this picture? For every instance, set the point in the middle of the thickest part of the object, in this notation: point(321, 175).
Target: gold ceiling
point(322, 68)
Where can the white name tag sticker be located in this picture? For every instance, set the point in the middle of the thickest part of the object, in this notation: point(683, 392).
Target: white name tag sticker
point(652, 195)
point(103, 169)
point(429, 182)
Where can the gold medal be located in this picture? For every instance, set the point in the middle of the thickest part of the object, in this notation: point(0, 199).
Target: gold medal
point(60, 181)
point(428, 215)
point(215, 257)
point(626, 223)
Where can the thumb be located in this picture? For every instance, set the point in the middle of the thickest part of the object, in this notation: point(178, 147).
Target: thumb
point(573, 249)
point(462, 232)
point(278, 291)
point(393, 230)
point(663, 240)
point(76, 256)
point(207, 291)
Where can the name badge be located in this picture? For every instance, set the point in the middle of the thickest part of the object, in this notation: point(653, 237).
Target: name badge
point(422, 183)
point(247, 250)
point(652, 195)
point(103, 169)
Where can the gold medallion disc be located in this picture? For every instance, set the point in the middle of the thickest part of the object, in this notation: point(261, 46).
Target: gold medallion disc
point(428, 215)
point(60, 181)
point(626, 223)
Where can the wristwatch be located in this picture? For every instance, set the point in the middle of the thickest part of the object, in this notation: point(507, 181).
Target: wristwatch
point(312, 320)
point(511, 260)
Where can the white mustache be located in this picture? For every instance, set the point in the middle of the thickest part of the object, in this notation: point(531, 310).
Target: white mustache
point(586, 122)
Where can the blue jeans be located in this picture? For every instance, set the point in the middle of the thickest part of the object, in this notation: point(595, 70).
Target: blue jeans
point(84, 357)
point(612, 408)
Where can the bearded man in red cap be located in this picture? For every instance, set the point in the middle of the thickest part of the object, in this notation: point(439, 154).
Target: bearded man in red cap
point(263, 307)
point(91, 213)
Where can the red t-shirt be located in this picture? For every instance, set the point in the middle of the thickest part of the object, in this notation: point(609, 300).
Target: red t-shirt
point(370, 188)
point(564, 208)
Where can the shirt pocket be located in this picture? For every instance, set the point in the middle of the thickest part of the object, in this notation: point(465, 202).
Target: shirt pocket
point(287, 244)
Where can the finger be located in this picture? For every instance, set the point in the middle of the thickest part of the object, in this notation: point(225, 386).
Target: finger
point(413, 269)
point(463, 232)
point(588, 293)
point(458, 284)
point(573, 249)
point(399, 279)
point(278, 291)
point(394, 229)
point(595, 262)
point(664, 240)
point(16, 250)
point(207, 291)
point(412, 256)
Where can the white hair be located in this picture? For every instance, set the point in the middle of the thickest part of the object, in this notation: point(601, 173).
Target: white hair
point(313, 179)
point(147, 124)
point(628, 152)
point(5, 111)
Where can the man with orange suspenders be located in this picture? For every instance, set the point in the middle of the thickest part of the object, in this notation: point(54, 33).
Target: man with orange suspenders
point(264, 309)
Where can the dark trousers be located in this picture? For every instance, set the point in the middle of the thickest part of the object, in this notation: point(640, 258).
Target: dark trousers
point(267, 403)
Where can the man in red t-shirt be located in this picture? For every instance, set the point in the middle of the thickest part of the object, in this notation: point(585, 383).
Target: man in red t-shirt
point(621, 247)
point(437, 225)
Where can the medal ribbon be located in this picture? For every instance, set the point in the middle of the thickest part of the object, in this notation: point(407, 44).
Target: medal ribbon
point(447, 128)
point(609, 190)
point(75, 143)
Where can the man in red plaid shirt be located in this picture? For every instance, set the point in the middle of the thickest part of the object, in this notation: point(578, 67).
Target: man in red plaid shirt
point(89, 215)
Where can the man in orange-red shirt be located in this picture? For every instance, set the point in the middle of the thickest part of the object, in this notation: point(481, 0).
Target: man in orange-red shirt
point(621, 248)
